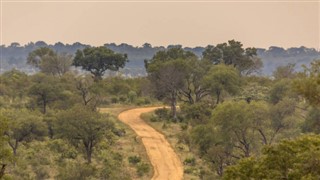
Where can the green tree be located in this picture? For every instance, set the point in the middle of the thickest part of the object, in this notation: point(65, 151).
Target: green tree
point(23, 126)
point(279, 90)
point(220, 79)
point(197, 113)
point(308, 83)
point(167, 71)
point(15, 83)
point(97, 60)
point(312, 122)
point(83, 127)
point(194, 90)
point(36, 57)
point(290, 159)
point(232, 53)
point(5, 154)
point(45, 89)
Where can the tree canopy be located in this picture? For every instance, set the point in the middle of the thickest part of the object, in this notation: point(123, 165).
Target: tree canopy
point(290, 159)
point(83, 127)
point(97, 60)
point(232, 53)
point(50, 62)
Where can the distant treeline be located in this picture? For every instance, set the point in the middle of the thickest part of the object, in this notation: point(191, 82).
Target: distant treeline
point(15, 55)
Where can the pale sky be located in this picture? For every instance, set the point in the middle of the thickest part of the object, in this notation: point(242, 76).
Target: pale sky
point(257, 24)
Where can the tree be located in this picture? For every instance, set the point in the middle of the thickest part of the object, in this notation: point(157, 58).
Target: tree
point(5, 154)
point(280, 90)
point(83, 127)
point(36, 56)
point(285, 72)
point(167, 81)
point(239, 129)
point(56, 65)
point(46, 90)
point(50, 62)
point(236, 121)
point(15, 82)
point(168, 72)
point(194, 89)
point(222, 78)
point(83, 85)
point(23, 125)
point(232, 53)
point(290, 159)
point(99, 59)
point(312, 122)
point(308, 83)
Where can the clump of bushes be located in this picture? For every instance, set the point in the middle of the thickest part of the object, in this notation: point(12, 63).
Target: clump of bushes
point(134, 159)
point(191, 161)
point(142, 169)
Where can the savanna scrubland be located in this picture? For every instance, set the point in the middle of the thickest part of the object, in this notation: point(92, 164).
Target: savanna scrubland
point(225, 120)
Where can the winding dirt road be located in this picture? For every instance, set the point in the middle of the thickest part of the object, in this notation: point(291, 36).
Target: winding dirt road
point(165, 162)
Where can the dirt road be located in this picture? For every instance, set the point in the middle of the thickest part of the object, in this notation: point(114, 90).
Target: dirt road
point(166, 163)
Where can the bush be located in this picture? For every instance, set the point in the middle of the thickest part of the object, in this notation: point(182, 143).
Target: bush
point(184, 126)
point(153, 119)
point(142, 169)
point(77, 171)
point(123, 99)
point(162, 113)
point(119, 132)
point(134, 159)
point(191, 161)
point(142, 101)
point(114, 100)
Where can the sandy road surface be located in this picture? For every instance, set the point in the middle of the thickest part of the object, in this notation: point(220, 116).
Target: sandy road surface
point(166, 163)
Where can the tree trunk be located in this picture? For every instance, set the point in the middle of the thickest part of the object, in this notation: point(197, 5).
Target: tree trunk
point(173, 106)
point(89, 148)
point(218, 97)
point(3, 168)
point(15, 149)
point(14, 146)
point(89, 156)
point(44, 110)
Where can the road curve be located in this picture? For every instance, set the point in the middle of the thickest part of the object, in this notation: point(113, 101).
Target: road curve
point(165, 162)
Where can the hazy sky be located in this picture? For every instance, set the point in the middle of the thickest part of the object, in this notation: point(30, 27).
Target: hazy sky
point(258, 24)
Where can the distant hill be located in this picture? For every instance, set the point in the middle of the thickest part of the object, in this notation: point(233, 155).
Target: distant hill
point(15, 55)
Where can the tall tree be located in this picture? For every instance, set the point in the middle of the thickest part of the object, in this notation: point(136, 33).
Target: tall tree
point(5, 154)
point(97, 60)
point(45, 90)
point(50, 62)
point(220, 79)
point(232, 53)
point(168, 71)
point(83, 127)
point(308, 83)
point(290, 159)
point(23, 125)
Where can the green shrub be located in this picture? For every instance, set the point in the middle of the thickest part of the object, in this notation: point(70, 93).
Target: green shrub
point(114, 100)
point(162, 113)
point(142, 169)
point(134, 159)
point(190, 161)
